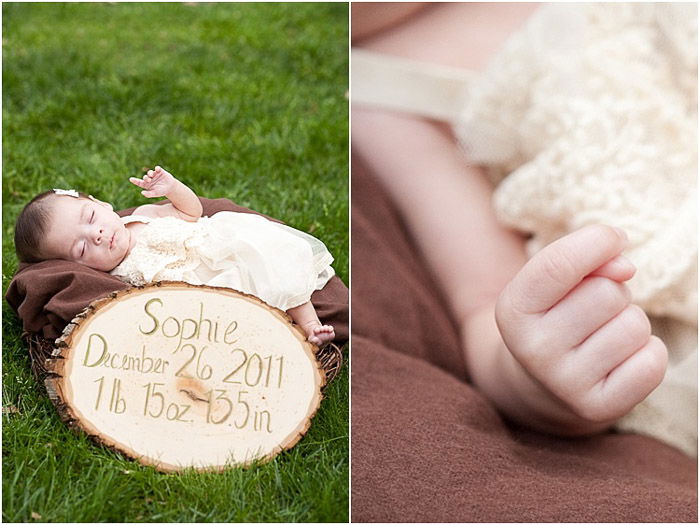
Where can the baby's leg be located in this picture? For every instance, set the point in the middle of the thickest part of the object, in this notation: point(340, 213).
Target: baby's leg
point(305, 316)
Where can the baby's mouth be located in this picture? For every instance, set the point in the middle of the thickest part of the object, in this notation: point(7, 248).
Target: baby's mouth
point(111, 241)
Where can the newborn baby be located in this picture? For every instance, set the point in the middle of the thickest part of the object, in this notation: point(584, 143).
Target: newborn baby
point(246, 252)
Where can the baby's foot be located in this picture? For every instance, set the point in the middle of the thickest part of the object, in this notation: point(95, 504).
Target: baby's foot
point(319, 334)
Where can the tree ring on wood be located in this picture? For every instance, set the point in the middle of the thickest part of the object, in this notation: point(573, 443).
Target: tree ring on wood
point(181, 376)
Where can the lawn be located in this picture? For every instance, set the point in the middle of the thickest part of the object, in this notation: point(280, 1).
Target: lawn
point(244, 101)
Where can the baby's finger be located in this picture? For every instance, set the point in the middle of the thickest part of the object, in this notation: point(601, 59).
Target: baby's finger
point(591, 304)
point(555, 270)
point(137, 182)
point(618, 269)
point(610, 345)
point(630, 382)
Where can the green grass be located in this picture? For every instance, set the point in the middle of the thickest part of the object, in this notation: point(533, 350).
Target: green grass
point(244, 101)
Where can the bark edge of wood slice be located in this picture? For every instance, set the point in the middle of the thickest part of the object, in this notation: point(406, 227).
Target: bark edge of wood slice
point(183, 376)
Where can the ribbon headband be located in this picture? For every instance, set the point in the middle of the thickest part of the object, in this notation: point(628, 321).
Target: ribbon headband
point(72, 193)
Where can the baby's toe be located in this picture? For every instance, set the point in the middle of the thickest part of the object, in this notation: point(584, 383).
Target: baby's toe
point(323, 334)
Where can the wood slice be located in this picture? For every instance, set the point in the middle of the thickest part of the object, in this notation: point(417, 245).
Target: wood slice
point(180, 376)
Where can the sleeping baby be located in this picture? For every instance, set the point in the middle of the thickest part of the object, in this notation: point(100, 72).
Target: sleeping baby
point(245, 252)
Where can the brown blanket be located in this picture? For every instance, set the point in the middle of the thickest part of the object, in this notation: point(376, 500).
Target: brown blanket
point(47, 295)
point(426, 446)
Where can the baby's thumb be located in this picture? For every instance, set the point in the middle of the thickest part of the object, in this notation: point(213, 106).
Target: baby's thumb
point(557, 268)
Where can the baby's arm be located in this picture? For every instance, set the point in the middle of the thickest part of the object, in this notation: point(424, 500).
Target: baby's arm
point(446, 203)
point(159, 183)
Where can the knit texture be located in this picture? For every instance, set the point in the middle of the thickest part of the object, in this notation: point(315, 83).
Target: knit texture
point(589, 115)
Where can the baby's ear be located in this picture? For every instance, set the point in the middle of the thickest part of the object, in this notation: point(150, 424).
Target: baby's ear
point(98, 201)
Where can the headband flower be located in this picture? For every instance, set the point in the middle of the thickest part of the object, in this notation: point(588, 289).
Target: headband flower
point(72, 193)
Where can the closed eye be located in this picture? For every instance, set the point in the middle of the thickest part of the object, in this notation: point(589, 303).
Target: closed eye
point(82, 251)
point(92, 216)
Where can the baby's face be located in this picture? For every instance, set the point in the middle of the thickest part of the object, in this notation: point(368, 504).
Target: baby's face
point(86, 231)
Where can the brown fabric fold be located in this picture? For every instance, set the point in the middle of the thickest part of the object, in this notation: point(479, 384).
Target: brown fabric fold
point(428, 447)
point(47, 295)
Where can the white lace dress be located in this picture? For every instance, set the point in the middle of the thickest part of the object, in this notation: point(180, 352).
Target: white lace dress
point(246, 252)
point(588, 114)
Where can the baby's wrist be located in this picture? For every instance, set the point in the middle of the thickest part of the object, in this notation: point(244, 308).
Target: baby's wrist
point(514, 391)
point(184, 199)
point(176, 188)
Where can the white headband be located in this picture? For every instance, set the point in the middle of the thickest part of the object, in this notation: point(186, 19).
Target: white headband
point(72, 193)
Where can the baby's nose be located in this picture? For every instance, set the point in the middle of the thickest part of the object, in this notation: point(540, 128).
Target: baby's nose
point(98, 235)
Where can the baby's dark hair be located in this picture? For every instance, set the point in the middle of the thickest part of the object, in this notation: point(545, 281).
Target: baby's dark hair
point(32, 226)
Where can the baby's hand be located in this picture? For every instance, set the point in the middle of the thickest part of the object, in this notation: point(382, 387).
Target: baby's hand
point(156, 183)
point(567, 319)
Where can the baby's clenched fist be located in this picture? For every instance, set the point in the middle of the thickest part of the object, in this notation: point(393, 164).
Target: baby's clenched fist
point(567, 318)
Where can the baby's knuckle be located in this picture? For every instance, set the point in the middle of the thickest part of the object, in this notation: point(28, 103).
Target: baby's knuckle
point(536, 345)
point(635, 324)
point(595, 407)
point(529, 349)
point(652, 366)
point(564, 384)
